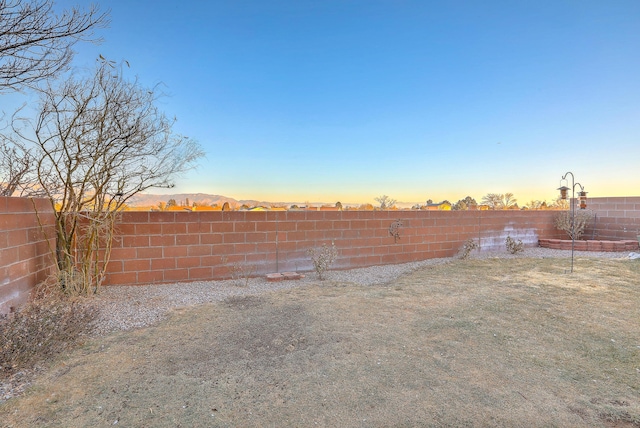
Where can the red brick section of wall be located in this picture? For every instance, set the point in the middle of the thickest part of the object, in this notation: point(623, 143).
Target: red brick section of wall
point(162, 247)
point(25, 256)
point(615, 218)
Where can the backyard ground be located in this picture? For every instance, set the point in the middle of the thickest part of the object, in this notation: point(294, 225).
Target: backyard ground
point(495, 342)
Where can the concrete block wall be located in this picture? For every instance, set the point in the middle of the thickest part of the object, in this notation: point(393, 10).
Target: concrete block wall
point(25, 252)
point(616, 218)
point(162, 247)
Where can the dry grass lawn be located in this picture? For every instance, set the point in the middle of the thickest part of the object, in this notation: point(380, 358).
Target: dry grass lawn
point(497, 342)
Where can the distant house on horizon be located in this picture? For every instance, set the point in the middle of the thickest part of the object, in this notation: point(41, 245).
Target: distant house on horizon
point(261, 208)
point(178, 208)
point(330, 208)
point(442, 206)
point(207, 208)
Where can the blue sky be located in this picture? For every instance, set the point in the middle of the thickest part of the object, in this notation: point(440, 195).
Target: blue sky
point(348, 100)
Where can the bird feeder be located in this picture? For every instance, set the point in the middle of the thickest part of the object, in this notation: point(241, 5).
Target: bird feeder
point(582, 199)
point(563, 192)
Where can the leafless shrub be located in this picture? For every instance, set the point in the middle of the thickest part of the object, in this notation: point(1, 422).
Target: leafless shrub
point(575, 229)
point(242, 273)
point(468, 246)
point(322, 258)
point(49, 324)
point(513, 246)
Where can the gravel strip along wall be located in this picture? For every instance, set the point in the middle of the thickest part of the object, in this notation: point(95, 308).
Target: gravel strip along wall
point(126, 307)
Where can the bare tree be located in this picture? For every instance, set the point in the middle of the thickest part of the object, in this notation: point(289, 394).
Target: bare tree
point(509, 202)
point(98, 141)
point(35, 42)
point(499, 201)
point(493, 200)
point(385, 202)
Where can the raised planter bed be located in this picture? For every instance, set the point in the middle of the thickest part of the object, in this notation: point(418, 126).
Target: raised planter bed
point(590, 245)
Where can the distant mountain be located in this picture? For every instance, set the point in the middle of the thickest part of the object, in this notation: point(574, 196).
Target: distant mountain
point(145, 200)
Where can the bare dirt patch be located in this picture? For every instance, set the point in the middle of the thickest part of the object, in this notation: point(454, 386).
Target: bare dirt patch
point(497, 342)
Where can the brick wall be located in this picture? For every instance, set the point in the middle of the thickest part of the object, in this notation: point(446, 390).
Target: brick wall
point(25, 256)
point(157, 247)
point(615, 218)
point(162, 247)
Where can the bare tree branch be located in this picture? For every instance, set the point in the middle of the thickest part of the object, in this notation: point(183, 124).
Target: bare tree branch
point(36, 43)
point(16, 167)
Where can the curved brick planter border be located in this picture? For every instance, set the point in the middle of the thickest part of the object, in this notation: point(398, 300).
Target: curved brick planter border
point(591, 245)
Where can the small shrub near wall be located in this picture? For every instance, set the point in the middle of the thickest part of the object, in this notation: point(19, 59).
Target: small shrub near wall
point(467, 248)
point(573, 224)
point(322, 258)
point(514, 246)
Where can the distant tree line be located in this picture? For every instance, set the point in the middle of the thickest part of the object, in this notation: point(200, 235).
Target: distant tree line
point(491, 201)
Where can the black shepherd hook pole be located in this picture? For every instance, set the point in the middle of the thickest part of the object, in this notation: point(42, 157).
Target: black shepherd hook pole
point(583, 204)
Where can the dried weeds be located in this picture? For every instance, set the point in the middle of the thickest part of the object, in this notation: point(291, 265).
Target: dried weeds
point(51, 323)
point(495, 342)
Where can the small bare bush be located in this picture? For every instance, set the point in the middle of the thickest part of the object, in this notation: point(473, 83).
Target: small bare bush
point(323, 258)
point(468, 247)
point(513, 246)
point(582, 219)
point(46, 326)
point(241, 273)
